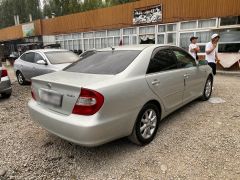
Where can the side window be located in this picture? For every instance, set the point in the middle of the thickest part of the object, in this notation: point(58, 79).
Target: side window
point(163, 60)
point(23, 57)
point(38, 57)
point(30, 57)
point(184, 59)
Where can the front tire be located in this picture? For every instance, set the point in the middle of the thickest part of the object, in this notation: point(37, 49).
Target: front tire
point(146, 125)
point(207, 92)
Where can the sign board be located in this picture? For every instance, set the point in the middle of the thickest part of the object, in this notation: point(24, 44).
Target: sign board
point(28, 30)
point(148, 15)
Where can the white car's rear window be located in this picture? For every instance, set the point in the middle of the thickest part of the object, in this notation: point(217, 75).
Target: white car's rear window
point(104, 62)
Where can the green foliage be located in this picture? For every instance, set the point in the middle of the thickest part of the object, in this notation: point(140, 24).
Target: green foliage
point(9, 8)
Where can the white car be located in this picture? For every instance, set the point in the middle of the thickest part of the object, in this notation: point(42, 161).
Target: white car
point(118, 92)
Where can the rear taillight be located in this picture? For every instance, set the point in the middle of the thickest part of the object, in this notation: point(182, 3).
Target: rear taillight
point(4, 73)
point(33, 93)
point(88, 103)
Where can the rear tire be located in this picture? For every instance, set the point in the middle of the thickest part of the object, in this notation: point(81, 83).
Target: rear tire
point(20, 78)
point(146, 125)
point(207, 92)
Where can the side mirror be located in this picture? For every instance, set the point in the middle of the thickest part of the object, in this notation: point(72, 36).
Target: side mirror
point(42, 62)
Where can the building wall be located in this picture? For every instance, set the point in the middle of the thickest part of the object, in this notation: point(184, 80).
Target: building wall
point(121, 16)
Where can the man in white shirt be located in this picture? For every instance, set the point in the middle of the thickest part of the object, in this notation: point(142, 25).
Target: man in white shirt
point(193, 47)
point(211, 52)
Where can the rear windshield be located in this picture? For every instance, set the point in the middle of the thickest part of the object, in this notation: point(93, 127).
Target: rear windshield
point(61, 57)
point(104, 62)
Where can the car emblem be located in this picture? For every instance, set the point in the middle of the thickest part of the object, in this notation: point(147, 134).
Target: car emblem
point(49, 85)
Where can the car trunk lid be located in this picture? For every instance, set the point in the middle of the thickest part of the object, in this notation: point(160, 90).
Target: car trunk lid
point(59, 91)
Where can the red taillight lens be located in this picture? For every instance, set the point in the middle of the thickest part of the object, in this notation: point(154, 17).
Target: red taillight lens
point(4, 73)
point(33, 94)
point(88, 103)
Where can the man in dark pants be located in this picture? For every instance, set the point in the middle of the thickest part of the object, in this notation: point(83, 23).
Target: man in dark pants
point(211, 52)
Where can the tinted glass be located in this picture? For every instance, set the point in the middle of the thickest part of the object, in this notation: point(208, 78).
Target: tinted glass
point(104, 62)
point(61, 57)
point(38, 57)
point(163, 60)
point(184, 59)
point(29, 57)
point(23, 57)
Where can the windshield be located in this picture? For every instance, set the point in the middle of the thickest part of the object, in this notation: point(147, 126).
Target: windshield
point(104, 62)
point(61, 57)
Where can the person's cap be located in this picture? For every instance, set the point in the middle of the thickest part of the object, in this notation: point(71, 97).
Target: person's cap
point(214, 36)
point(193, 37)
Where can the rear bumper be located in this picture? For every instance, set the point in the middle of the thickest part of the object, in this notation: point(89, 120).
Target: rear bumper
point(5, 85)
point(82, 130)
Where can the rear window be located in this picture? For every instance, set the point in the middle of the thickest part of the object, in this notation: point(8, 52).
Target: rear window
point(61, 57)
point(104, 62)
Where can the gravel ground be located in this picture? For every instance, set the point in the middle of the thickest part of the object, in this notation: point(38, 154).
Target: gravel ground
point(199, 141)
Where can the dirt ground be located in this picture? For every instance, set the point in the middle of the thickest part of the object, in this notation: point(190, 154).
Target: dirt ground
point(199, 141)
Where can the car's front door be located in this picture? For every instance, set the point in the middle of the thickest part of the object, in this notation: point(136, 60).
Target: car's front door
point(39, 69)
point(165, 79)
point(193, 75)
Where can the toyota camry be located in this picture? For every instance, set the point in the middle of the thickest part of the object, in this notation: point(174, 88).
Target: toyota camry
point(118, 92)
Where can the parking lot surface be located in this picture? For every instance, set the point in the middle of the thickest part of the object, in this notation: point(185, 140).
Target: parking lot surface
point(199, 141)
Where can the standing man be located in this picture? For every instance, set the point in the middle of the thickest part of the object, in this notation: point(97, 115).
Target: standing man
point(211, 52)
point(193, 47)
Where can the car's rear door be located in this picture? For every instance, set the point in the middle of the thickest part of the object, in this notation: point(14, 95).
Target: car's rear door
point(165, 79)
point(194, 76)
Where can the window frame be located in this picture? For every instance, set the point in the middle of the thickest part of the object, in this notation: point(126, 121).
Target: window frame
point(155, 51)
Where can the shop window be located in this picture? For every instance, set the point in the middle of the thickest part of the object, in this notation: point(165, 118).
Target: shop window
point(80, 44)
point(160, 39)
point(61, 44)
point(86, 45)
point(100, 34)
point(76, 36)
point(147, 30)
point(67, 36)
point(103, 43)
point(206, 23)
point(147, 39)
point(234, 20)
point(91, 43)
point(75, 45)
point(66, 45)
point(134, 39)
point(229, 47)
point(230, 35)
point(116, 41)
point(171, 38)
point(113, 32)
point(98, 43)
point(185, 40)
point(126, 40)
point(188, 25)
point(161, 28)
point(60, 37)
point(204, 37)
point(70, 43)
point(171, 27)
point(88, 35)
point(129, 31)
point(110, 41)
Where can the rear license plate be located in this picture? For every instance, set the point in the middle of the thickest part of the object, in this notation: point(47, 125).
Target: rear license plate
point(50, 97)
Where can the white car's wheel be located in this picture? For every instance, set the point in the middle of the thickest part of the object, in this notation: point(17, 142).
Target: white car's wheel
point(146, 125)
point(207, 89)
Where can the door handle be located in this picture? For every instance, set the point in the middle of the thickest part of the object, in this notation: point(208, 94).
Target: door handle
point(155, 82)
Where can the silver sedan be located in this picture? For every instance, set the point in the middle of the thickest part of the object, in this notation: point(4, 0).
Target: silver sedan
point(118, 92)
point(42, 61)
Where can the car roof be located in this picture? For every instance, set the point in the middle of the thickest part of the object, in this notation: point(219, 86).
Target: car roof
point(139, 47)
point(47, 50)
